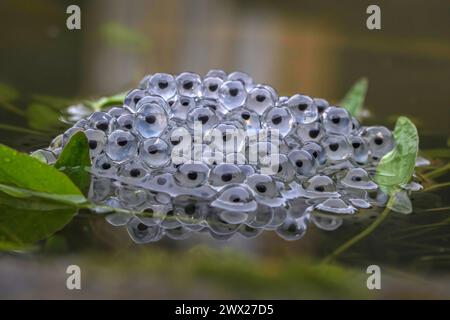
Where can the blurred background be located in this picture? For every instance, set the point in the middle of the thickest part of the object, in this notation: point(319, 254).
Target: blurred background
point(315, 47)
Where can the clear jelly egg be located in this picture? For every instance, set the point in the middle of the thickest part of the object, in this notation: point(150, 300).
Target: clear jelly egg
point(259, 100)
point(155, 152)
point(121, 145)
point(162, 84)
point(189, 84)
point(302, 108)
point(232, 94)
point(337, 121)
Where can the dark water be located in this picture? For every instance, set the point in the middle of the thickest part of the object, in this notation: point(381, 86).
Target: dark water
point(314, 47)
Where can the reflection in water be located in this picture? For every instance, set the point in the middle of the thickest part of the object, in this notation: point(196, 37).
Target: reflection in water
point(324, 159)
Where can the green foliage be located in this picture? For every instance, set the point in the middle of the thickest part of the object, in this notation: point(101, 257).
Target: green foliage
point(354, 99)
point(397, 167)
point(74, 161)
point(123, 37)
point(24, 176)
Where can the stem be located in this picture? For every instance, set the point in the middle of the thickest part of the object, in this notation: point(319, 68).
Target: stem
point(360, 235)
point(437, 186)
point(438, 172)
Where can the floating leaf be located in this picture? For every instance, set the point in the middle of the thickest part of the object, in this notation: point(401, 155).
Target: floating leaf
point(25, 176)
point(354, 99)
point(74, 161)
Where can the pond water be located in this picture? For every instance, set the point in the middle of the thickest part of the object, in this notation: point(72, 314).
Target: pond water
point(310, 47)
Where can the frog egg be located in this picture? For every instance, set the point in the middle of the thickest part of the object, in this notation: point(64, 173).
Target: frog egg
point(212, 157)
point(249, 232)
point(327, 223)
point(210, 87)
point(272, 91)
point(181, 107)
point(283, 169)
point(279, 119)
point(102, 165)
point(235, 197)
point(237, 158)
point(100, 120)
point(125, 122)
point(169, 221)
point(380, 141)
point(335, 205)
point(151, 214)
point(356, 126)
point(292, 229)
point(321, 104)
point(302, 108)
point(141, 234)
point(360, 152)
point(131, 197)
point(259, 100)
point(337, 120)
point(216, 73)
point(116, 112)
point(336, 147)
point(189, 210)
point(202, 118)
point(249, 119)
point(143, 84)
point(303, 162)
point(118, 219)
point(359, 179)
point(310, 132)
point(261, 217)
point(96, 141)
point(44, 155)
point(162, 84)
point(225, 173)
point(68, 134)
point(262, 185)
point(320, 186)
point(226, 138)
point(154, 152)
point(178, 233)
point(246, 169)
point(189, 84)
point(232, 94)
point(121, 145)
point(131, 171)
point(279, 216)
point(192, 174)
point(317, 152)
point(132, 99)
point(242, 77)
point(219, 226)
point(151, 120)
point(233, 217)
point(214, 105)
point(100, 191)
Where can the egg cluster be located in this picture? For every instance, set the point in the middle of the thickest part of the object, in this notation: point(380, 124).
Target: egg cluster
point(325, 159)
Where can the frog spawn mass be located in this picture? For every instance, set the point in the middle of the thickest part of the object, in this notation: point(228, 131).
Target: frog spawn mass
point(326, 159)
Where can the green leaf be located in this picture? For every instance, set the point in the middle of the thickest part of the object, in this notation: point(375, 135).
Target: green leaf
point(354, 99)
point(105, 102)
point(25, 176)
point(26, 221)
point(75, 161)
point(44, 118)
point(397, 167)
